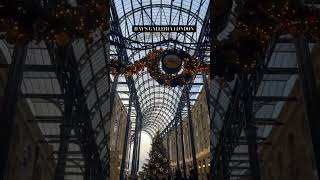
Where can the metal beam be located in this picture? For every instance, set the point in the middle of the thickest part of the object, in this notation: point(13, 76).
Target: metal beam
point(250, 129)
point(182, 149)
point(280, 71)
point(72, 159)
point(274, 98)
point(266, 121)
point(93, 164)
point(231, 129)
point(71, 153)
point(135, 149)
point(34, 68)
point(9, 104)
point(177, 144)
point(139, 147)
point(68, 80)
point(193, 148)
point(42, 96)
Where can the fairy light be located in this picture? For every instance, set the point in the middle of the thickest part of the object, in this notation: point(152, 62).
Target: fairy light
point(76, 23)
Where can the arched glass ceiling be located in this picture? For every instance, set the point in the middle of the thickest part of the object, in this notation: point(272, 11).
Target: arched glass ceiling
point(158, 103)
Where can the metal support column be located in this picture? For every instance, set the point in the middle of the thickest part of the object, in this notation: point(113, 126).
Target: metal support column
point(135, 149)
point(182, 149)
point(134, 155)
point(66, 126)
point(251, 131)
point(94, 169)
point(125, 145)
point(9, 104)
point(87, 163)
point(223, 168)
point(168, 146)
point(138, 151)
point(177, 147)
point(193, 148)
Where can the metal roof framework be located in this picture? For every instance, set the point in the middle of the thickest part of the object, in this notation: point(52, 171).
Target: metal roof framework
point(77, 126)
point(159, 104)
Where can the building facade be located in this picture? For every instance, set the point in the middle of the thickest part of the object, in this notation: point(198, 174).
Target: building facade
point(201, 125)
point(118, 127)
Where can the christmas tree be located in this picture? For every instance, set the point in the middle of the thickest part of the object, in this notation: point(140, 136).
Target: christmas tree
point(158, 164)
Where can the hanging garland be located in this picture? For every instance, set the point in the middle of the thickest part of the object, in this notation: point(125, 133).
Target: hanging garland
point(262, 19)
point(257, 22)
point(190, 68)
point(59, 24)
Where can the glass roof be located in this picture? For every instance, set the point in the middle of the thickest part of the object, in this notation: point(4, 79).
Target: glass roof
point(158, 103)
point(47, 111)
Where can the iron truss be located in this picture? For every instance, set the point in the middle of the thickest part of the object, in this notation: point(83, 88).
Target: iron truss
point(157, 102)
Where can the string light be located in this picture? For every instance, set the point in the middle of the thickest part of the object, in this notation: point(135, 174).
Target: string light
point(64, 24)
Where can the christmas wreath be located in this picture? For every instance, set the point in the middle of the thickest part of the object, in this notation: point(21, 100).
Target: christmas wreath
point(172, 74)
